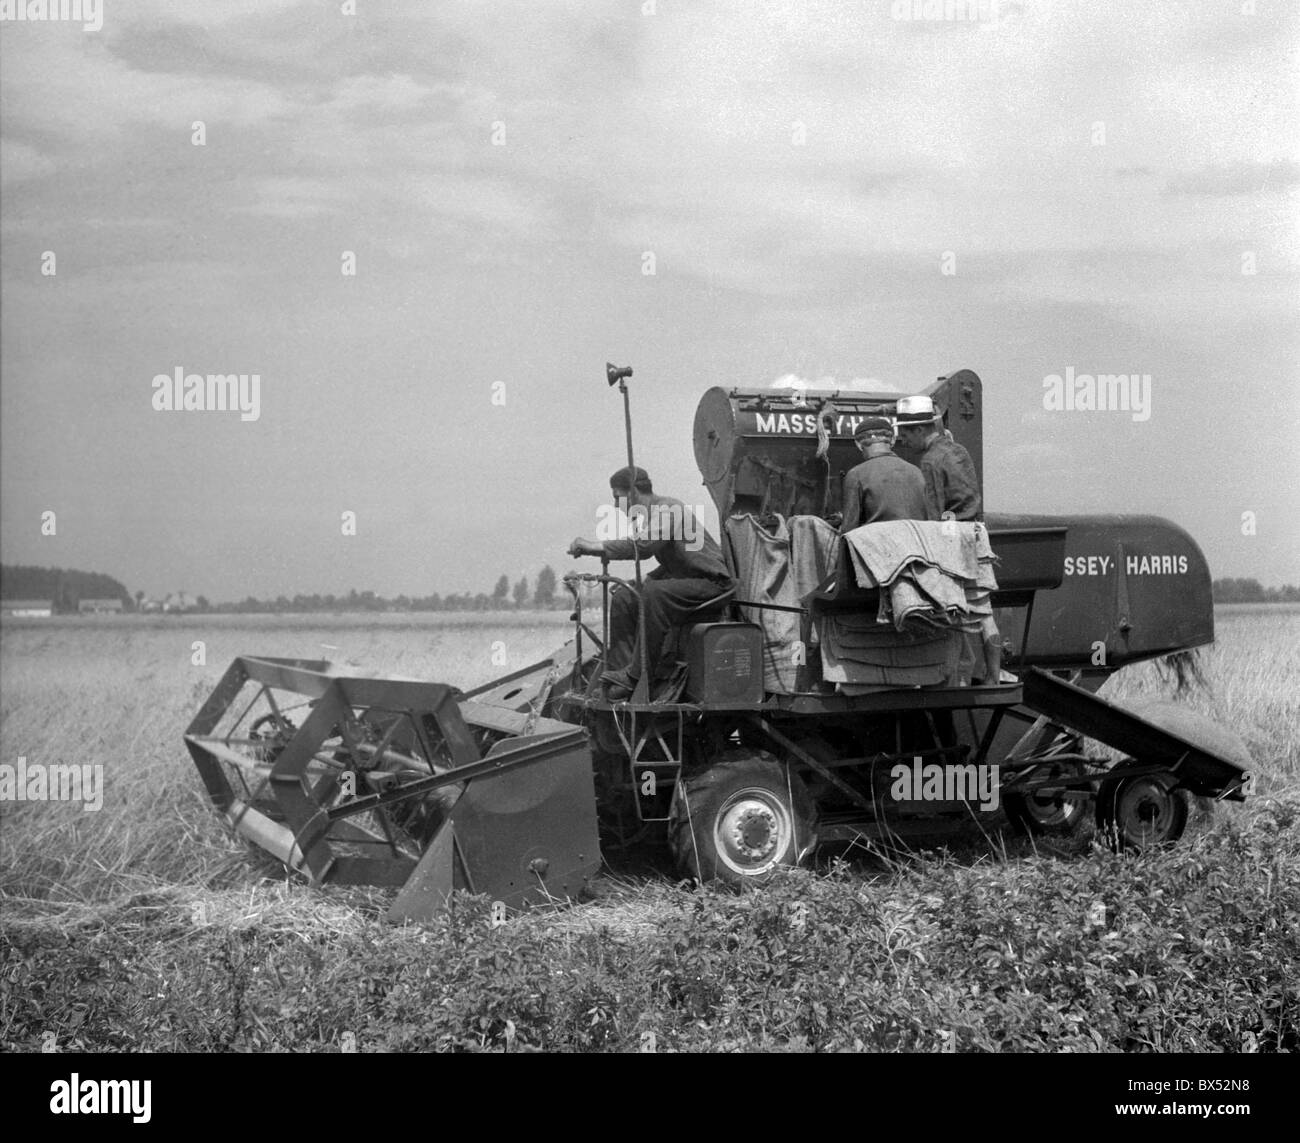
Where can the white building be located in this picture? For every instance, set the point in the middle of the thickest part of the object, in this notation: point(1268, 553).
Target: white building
point(41, 608)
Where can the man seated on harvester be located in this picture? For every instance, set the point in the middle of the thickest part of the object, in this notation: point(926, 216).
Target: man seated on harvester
point(691, 572)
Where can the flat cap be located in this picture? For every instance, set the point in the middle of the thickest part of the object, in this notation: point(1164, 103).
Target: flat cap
point(873, 426)
point(626, 478)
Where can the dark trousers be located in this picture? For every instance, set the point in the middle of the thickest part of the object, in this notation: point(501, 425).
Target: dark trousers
point(667, 603)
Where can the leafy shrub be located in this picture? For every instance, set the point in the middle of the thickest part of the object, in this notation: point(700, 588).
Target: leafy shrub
point(1191, 949)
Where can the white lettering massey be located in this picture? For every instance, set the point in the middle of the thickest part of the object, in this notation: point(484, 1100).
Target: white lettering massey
point(1087, 565)
point(786, 422)
point(1134, 565)
point(801, 423)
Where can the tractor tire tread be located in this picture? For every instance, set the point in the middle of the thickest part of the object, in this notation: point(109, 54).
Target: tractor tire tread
point(700, 783)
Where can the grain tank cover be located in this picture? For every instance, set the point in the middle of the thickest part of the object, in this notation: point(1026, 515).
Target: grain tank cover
point(787, 450)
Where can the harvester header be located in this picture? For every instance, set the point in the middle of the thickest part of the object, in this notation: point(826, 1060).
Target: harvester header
point(352, 780)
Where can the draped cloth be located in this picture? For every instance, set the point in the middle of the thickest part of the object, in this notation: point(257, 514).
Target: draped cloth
point(930, 572)
point(935, 579)
point(779, 561)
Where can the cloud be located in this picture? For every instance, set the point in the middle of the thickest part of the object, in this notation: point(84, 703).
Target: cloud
point(872, 385)
point(1032, 456)
point(80, 97)
point(773, 151)
point(1235, 179)
point(295, 198)
point(20, 162)
point(207, 13)
point(793, 381)
point(856, 385)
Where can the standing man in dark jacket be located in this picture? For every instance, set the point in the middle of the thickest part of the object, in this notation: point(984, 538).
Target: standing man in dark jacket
point(952, 490)
point(884, 486)
point(691, 571)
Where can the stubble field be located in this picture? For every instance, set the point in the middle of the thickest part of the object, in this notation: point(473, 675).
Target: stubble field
point(146, 926)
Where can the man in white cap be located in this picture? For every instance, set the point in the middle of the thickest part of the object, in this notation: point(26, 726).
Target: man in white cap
point(952, 490)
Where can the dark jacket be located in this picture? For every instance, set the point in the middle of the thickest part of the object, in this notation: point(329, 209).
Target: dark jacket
point(950, 481)
point(672, 531)
point(882, 487)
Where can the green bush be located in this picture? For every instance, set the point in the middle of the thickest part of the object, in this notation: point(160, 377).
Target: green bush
point(1191, 949)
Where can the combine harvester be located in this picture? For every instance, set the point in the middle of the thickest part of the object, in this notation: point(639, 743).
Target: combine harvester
point(747, 758)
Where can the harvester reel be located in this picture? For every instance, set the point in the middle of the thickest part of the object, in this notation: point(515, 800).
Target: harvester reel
point(273, 729)
point(399, 783)
point(419, 817)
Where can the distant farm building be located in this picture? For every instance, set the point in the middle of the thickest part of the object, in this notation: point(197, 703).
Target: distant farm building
point(178, 601)
point(27, 607)
point(150, 605)
point(99, 606)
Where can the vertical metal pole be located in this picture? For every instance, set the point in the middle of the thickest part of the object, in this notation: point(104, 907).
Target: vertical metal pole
point(576, 673)
point(604, 610)
point(636, 551)
point(627, 423)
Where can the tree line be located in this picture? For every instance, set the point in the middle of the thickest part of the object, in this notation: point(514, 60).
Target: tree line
point(62, 587)
point(1251, 591)
point(543, 594)
point(66, 587)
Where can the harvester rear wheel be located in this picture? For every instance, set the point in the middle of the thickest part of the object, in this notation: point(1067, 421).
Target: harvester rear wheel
point(740, 819)
point(1204, 731)
point(1142, 812)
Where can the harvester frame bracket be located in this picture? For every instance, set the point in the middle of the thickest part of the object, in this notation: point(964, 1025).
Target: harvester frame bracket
point(635, 743)
point(1199, 769)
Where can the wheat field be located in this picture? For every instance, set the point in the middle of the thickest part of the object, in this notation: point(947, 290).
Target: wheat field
point(119, 691)
point(147, 926)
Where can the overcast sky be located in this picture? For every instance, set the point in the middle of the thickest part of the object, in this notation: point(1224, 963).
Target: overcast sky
point(1102, 177)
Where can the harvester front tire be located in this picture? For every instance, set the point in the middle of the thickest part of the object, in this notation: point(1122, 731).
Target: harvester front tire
point(1140, 813)
point(740, 820)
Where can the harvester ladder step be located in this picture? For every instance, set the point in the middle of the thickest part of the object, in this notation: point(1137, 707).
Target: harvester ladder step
point(658, 770)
